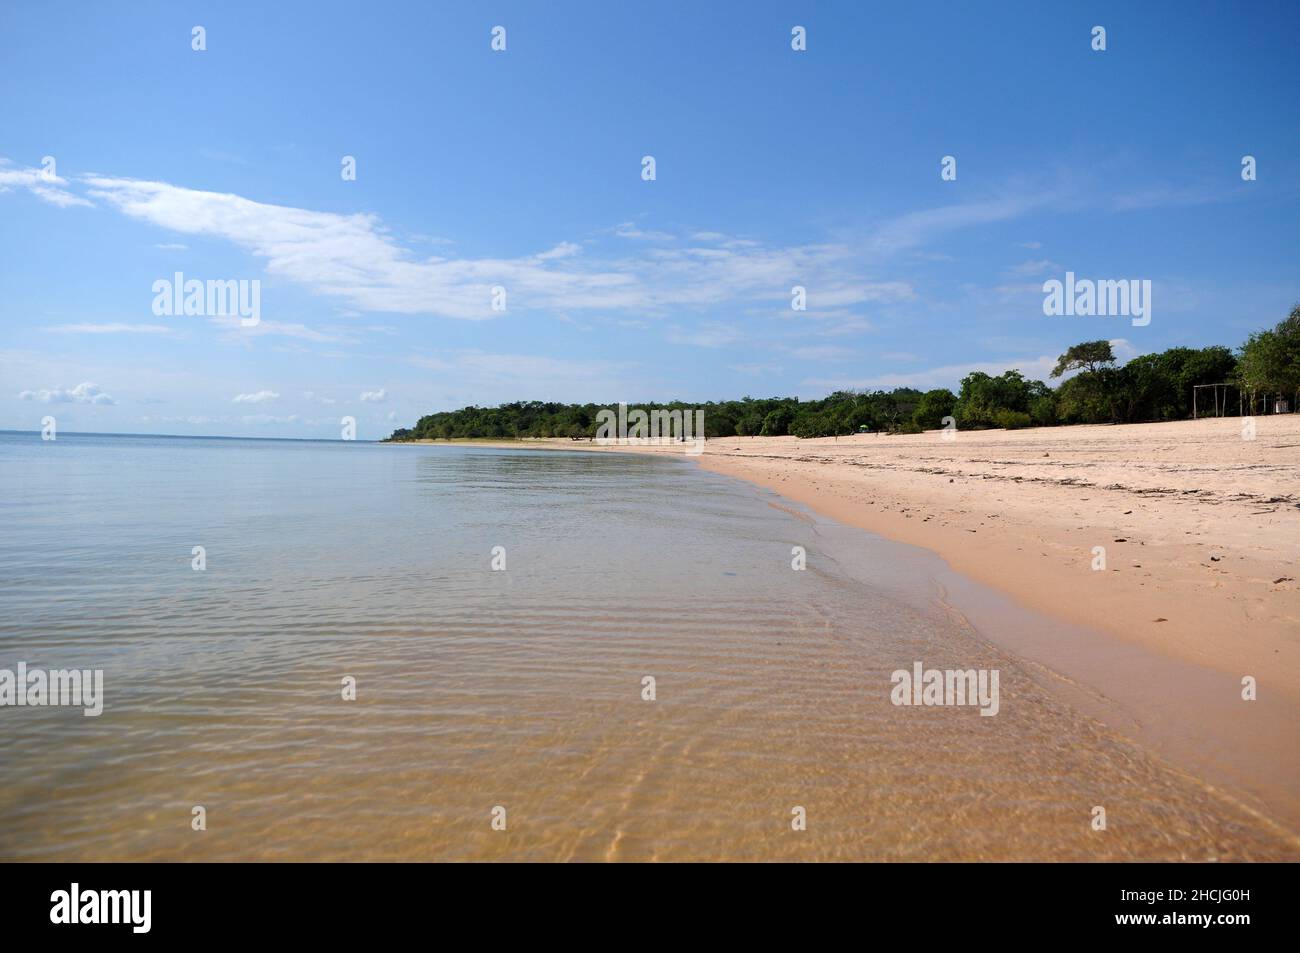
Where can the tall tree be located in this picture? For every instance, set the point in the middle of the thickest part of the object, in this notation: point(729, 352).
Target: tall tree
point(1089, 356)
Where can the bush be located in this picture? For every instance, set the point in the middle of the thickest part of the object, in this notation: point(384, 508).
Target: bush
point(1042, 410)
point(1012, 419)
point(813, 425)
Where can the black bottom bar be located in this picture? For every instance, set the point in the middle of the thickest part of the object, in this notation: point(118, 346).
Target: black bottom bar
point(965, 903)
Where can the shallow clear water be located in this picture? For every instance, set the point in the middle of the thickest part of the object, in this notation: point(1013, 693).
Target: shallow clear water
point(519, 688)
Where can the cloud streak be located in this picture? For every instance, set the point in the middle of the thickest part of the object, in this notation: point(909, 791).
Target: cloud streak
point(44, 185)
point(353, 257)
point(83, 393)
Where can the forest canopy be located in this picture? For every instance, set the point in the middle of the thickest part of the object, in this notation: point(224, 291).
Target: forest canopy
point(1153, 387)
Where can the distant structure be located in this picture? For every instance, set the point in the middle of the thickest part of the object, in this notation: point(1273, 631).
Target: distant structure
point(1218, 400)
point(1218, 397)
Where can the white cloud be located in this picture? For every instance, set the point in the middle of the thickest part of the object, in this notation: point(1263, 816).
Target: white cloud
point(580, 325)
point(353, 257)
point(562, 250)
point(831, 322)
point(374, 396)
point(84, 393)
point(113, 328)
point(1124, 350)
point(631, 230)
point(1028, 269)
point(264, 328)
point(826, 352)
point(269, 419)
point(834, 297)
point(49, 188)
point(710, 334)
point(258, 397)
point(356, 258)
point(478, 368)
point(918, 228)
point(1034, 368)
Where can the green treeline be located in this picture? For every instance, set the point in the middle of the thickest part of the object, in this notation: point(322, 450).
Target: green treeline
point(1148, 388)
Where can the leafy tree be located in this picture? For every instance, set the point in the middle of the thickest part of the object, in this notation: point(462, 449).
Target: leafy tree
point(1270, 360)
point(933, 406)
point(1089, 356)
point(983, 395)
point(777, 422)
point(749, 425)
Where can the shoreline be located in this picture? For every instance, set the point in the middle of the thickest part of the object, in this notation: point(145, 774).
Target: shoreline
point(1197, 526)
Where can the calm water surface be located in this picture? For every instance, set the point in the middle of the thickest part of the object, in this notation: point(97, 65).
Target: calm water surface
point(521, 689)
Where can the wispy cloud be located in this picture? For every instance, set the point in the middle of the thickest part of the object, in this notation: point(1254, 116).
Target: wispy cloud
point(826, 352)
point(755, 369)
point(45, 186)
point(710, 334)
point(112, 328)
point(920, 228)
point(356, 259)
point(1036, 368)
point(557, 378)
point(256, 397)
point(84, 393)
point(1028, 269)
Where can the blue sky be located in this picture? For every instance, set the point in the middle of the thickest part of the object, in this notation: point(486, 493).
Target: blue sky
point(522, 169)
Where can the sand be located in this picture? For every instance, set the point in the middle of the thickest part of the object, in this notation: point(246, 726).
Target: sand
point(1201, 528)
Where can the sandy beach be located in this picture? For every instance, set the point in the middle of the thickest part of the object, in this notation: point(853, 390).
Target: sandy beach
point(1201, 528)
point(1201, 585)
